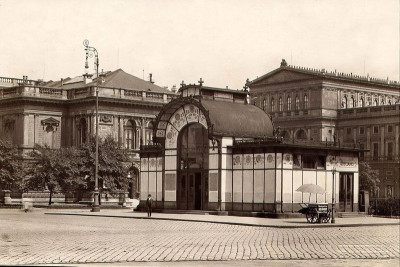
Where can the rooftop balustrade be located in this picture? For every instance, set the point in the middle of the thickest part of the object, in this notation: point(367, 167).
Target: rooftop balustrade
point(84, 92)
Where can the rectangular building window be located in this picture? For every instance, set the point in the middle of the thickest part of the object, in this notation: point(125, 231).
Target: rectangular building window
point(375, 151)
point(362, 130)
point(390, 151)
point(348, 131)
point(376, 129)
point(362, 146)
point(390, 128)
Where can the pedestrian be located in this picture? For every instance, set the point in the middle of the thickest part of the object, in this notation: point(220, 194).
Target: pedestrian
point(149, 204)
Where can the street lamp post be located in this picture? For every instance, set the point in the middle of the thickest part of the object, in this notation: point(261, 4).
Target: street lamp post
point(90, 51)
point(333, 194)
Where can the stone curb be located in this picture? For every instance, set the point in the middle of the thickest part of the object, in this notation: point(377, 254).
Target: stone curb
point(327, 225)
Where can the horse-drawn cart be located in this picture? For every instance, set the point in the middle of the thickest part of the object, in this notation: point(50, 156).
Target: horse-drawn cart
point(317, 212)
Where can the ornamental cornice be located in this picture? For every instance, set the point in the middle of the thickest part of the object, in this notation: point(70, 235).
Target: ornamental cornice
point(50, 122)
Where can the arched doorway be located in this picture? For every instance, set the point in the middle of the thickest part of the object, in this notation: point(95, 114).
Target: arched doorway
point(192, 182)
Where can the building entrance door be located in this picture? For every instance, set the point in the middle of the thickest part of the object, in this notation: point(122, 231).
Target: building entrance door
point(346, 185)
point(193, 191)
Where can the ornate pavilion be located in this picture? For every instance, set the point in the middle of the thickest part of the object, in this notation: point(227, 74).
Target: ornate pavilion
point(213, 151)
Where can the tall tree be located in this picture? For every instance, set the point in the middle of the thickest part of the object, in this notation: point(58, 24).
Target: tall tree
point(10, 166)
point(368, 178)
point(45, 170)
point(72, 169)
point(112, 172)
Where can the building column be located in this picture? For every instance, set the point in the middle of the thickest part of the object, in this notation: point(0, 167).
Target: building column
point(144, 141)
point(27, 130)
point(382, 140)
point(397, 134)
point(73, 133)
point(121, 132)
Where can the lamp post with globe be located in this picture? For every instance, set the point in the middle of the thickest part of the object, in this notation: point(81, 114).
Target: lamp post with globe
point(90, 52)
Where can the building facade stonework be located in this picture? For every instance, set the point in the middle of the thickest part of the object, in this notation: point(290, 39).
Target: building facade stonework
point(63, 113)
point(316, 105)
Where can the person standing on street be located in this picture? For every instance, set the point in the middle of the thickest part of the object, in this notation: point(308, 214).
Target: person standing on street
point(149, 204)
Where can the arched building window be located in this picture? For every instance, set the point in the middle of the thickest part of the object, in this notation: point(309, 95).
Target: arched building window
point(149, 133)
point(130, 135)
point(376, 103)
point(280, 104)
point(285, 135)
point(305, 101)
point(297, 103)
point(272, 105)
point(362, 102)
point(264, 104)
point(344, 102)
point(82, 131)
point(352, 102)
point(289, 103)
point(301, 135)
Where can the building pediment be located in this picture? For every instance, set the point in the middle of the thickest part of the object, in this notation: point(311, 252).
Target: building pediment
point(281, 76)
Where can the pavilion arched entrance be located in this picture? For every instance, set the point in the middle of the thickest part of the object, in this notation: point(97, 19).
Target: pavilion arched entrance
point(192, 182)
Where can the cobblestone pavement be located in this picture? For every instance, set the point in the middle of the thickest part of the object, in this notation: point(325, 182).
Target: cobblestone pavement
point(36, 238)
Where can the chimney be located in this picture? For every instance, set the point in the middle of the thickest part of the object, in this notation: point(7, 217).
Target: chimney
point(62, 82)
point(151, 77)
point(87, 78)
point(173, 89)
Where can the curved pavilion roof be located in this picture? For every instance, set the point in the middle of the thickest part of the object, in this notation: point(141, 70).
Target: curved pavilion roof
point(224, 118)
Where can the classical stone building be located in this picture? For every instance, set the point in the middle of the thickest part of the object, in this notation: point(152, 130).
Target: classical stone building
point(62, 113)
point(316, 105)
point(215, 152)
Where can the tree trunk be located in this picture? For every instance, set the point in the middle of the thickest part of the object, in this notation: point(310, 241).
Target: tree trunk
point(51, 196)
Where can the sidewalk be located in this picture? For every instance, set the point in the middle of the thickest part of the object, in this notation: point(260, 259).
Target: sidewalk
point(234, 220)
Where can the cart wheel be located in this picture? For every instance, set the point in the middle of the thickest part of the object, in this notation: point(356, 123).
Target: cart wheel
point(312, 217)
point(327, 217)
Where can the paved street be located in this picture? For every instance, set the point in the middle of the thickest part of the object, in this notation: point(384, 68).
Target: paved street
point(37, 238)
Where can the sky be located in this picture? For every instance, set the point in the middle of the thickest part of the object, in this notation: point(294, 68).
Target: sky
point(223, 42)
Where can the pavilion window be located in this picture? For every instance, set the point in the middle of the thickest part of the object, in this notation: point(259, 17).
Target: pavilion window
point(308, 162)
point(280, 104)
point(264, 105)
point(296, 161)
point(321, 163)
